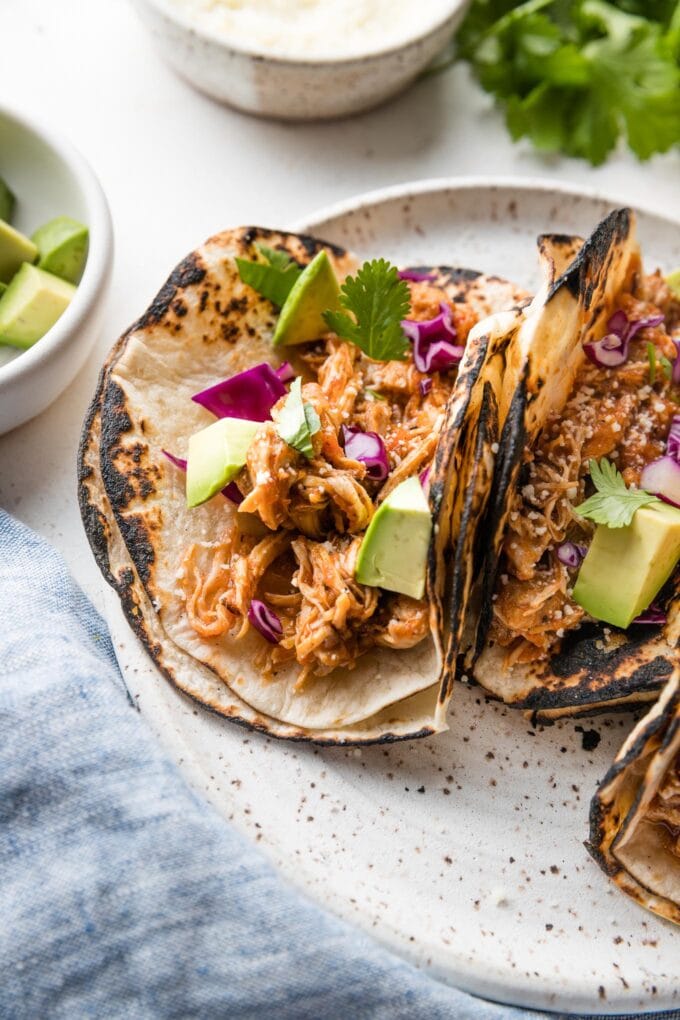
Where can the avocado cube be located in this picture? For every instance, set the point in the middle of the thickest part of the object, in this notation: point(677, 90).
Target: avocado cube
point(216, 455)
point(393, 553)
point(315, 291)
point(7, 202)
point(625, 568)
point(62, 247)
point(31, 304)
point(15, 248)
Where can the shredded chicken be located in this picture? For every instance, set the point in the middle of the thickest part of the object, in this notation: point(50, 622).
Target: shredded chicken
point(616, 414)
point(327, 632)
point(318, 509)
point(218, 595)
point(407, 623)
point(665, 808)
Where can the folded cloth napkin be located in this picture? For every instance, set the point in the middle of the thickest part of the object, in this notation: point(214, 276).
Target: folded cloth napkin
point(121, 893)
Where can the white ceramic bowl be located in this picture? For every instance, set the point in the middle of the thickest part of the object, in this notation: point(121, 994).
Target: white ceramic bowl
point(49, 178)
point(292, 88)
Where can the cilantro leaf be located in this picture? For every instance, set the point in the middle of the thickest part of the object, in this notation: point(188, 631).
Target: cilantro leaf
point(297, 421)
point(651, 358)
point(666, 365)
point(613, 504)
point(378, 300)
point(575, 75)
point(273, 277)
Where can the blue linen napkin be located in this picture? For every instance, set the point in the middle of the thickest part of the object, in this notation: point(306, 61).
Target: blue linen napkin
point(121, 893)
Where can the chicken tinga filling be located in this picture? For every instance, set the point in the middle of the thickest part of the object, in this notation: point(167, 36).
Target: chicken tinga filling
point(599, 492)
point(328, 468)
point(664, 809)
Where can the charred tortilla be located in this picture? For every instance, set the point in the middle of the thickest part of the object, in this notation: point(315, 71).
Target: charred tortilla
point(594, 666)
point(635, 814)
point(205, 325)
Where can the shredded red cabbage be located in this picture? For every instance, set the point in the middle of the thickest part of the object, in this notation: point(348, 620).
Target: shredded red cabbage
point(653, 614)
point(230, 492)
point(249, 395)
point(177, 461)
point(662, 479)
point(368, 448)
point(424, 478)
point(425, 385)
point(285, 372)
point(571, 554)
point(265, 620)
point(673, 441)
point(675, 374)
point(434, 347)
point(414, 275)
point(612, 350)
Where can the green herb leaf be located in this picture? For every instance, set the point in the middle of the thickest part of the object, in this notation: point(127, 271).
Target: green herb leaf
point(613, 504)
point(574, 75)
point(378, 301)
point(373, 394)
point(273, 278)
point(651, 357)
point(666, 365)
point(297, 421)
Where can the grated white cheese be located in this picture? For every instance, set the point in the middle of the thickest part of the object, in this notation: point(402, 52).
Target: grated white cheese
point(309, 29)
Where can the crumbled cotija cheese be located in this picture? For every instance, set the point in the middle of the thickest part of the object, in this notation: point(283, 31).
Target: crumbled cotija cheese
point(315, 28)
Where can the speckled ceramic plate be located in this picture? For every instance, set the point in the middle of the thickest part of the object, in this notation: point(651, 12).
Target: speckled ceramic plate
point(465, 852)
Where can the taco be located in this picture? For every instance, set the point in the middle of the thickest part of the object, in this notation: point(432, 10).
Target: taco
point(562, 624)
point(635, 814)
point(266, 598)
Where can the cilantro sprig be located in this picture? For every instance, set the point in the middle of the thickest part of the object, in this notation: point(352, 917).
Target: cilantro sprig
point(378, 300)
point(297, 421)
point(574, 75)
point(272, 276)
point(613, 504)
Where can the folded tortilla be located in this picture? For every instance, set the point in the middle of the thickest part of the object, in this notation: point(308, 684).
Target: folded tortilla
point(597, 667)
point(635, 814)
point(204, 325)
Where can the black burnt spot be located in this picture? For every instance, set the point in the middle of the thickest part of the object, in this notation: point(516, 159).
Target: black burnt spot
point(179, 308)
point(187, 274)
point(589, 738)
point(591, 259)
point(137, 539)
point(115, 422)
point(313, 245)
point(235, 305)
point(508, 463)
point(203, 300)
point(230, 332)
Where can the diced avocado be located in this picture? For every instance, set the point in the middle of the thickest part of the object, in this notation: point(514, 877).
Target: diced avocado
point(393, 553)
point(625, 568)
point(216, 455)
point(315, 291)
point(31, 305)
point(7, 202)
point(62, 247)
point(15, 248)
point(673, 281)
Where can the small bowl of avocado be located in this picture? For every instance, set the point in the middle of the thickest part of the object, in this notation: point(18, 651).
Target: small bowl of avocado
point(55, 264)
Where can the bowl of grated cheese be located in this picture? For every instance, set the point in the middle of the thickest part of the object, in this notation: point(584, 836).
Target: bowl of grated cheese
point(300, 59)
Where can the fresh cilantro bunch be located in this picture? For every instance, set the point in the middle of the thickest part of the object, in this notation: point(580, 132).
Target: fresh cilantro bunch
point(574, 75)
